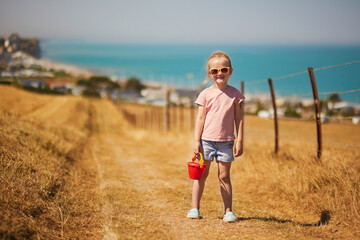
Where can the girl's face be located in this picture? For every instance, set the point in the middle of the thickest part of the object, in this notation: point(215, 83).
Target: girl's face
point(220, 76)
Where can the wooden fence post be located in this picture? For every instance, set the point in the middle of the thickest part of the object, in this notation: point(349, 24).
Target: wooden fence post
point(242, 87)
point(275, 115)
point(173, 117)
point(242, 108)
point(192, 114)
point(180, 115)
point(167, 111)
point(317, 111)
point(153, 118)
point(159, 118)
point(147, 121)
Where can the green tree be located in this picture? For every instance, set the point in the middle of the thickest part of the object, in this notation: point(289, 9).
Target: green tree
point(334, 98)
point(94, 83)
point(102, 82)
point(290, 111)
point(259, 106)
point(83, 82)
point(91, 92)
point(134, 84)
point(98, 81)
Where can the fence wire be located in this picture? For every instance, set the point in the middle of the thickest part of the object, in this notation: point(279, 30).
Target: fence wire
point(303, 72)
point(336, 66)
point(277, 78)
point(257, 134)
point(324, 93)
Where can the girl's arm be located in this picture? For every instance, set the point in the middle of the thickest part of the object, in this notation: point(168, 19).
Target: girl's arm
point(239, 130)
point(199, 124)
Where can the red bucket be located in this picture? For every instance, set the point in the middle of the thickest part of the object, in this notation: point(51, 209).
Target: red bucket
point(196, 170)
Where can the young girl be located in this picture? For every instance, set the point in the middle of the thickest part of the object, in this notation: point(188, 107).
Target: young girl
point(219, 108)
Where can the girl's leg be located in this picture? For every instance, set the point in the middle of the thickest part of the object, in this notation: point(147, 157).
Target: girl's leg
point(225, 184)
point(198, 187)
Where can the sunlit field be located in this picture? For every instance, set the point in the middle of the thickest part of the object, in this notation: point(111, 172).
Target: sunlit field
point(73, 167)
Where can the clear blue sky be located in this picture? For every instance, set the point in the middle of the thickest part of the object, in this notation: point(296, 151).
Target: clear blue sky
point(186, 21)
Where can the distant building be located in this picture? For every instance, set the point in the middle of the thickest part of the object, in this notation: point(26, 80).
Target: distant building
point(127, 95)
point(184, 96)
point(61, 86)
point(33, 83)
point(14, 43)
point(346, 107)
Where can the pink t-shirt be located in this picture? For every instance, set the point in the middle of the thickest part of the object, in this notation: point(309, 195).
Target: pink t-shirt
point(219, 112)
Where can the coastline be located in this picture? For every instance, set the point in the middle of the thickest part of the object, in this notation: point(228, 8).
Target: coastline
point(158, 63)
point(49, 64)
point(71, 69)
point(156, 90)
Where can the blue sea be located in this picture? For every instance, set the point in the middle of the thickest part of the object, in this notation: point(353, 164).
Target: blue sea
point(184, 65)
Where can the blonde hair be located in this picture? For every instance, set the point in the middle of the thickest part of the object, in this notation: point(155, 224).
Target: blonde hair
point(216, 54)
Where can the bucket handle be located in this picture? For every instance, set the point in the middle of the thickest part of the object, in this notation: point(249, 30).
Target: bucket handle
point(201, 159)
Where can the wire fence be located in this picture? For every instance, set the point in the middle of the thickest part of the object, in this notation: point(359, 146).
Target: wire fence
point(315, 95)
point(180, 118)
point(294, 96)
point(336, 66)
point(277, 78)
point(325, 93)
point(158, 118)
point(262, 135)
point(301, 73)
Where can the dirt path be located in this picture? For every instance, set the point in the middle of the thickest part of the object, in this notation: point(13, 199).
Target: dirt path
point(147, 191)
point(144, 182)
point(145, 187)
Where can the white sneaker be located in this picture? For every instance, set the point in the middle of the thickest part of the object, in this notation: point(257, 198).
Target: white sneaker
point(229, 217)
point(193, 213)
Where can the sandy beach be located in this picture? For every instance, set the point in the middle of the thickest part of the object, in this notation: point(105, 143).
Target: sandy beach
point(72, 69)
point(48, 64)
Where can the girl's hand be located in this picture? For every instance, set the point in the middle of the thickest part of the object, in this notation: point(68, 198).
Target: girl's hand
point(197, 147)
point(238, 149)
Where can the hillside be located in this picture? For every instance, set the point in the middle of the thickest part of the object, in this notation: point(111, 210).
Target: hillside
point(73, 167)
point(48, 186)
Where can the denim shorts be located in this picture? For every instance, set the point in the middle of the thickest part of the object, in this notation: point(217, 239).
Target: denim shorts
point(222, 151)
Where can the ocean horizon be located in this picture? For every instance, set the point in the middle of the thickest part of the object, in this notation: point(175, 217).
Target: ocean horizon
point(183, 65)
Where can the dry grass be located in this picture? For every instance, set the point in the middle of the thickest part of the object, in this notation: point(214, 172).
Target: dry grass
point(125, 183)
point(47, 190)
point(319, 200)
point(293, 187)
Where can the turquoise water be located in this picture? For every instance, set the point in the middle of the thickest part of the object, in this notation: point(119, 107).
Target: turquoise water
point(183, 65)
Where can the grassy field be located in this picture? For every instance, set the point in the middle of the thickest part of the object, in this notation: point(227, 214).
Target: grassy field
point(76, 168)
